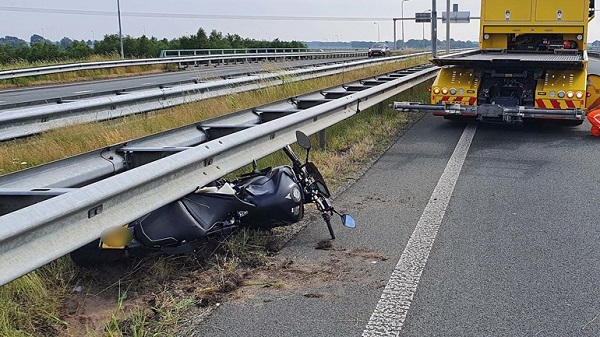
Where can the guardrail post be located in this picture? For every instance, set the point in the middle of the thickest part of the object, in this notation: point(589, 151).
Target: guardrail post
point(380, 108)
point(323, 139)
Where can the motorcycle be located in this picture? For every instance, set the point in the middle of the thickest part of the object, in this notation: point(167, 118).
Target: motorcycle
point(262, 199)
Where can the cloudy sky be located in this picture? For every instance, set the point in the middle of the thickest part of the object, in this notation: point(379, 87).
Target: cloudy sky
point(341, 20)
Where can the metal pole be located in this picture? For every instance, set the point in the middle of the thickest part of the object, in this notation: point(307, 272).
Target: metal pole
point(448, 26)
point(433, 29)
point(378, 38)
point(395, 39)
point(402, 23)
point(402, 5)
point(120, 30)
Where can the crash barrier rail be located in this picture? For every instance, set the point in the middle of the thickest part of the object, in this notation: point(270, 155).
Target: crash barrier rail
point(182, 61)
point(31, 120)
point(196, 52)
point(594, 52)
point(50, 210)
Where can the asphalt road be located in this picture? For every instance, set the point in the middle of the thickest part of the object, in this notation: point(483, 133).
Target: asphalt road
point(505, 236)
point(85, 89)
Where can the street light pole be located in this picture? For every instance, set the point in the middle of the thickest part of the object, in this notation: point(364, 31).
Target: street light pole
point(378, 38)
point(429, 10)
point(448, 27)
point(120, 30)
point(433, 29)
point(402, 24)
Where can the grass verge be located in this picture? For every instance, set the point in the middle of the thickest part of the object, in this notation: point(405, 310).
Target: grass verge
point(152, 297)
point(78, 76)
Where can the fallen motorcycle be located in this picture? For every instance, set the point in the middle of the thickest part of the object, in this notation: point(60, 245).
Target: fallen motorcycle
point(263, 199)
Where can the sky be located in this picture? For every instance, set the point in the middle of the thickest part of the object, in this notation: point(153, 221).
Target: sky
point(345, 20)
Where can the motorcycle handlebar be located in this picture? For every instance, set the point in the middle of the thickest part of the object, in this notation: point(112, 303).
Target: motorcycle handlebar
point(288, 151)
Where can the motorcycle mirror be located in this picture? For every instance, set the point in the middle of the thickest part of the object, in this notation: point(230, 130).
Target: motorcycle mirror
point(348, 221)
point(303, 140)
point(116, 236)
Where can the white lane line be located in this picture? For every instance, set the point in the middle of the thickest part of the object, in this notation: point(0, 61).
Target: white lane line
point(392, 308)
point(83, 92)
point(2, 101)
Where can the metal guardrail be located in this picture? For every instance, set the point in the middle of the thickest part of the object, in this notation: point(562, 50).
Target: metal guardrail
point(195, 155)
point(182, 61)
point(594, 52)
point(196, 52)
point(27, 121)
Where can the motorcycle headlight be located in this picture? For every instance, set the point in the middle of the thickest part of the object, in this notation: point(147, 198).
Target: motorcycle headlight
point(296, 194)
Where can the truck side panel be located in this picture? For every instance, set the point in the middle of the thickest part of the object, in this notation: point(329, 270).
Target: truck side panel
point(561, 10)
point(506, 10)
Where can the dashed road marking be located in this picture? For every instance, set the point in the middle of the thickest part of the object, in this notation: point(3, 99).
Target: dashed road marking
point(391, 310)
point(83, 92)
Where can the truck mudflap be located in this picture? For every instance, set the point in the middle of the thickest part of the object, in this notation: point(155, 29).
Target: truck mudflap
point(491, 112)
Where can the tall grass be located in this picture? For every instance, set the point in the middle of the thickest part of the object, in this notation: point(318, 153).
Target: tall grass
point(31, 305)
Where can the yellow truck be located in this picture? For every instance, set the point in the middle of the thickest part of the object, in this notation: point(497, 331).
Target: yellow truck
point(531, 64)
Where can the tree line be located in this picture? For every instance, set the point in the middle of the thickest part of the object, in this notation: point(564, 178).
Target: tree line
point(39, 49)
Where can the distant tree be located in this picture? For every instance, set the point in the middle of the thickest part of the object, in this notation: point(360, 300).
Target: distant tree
point(235, 41)
point(64, 43)
point(43, 52)
point(7, 54)
point(200, 41)
point(217, 41)
point(143, 47)
point(12, 41)
point(38, 39)
point(78, 50)
point(110, 44)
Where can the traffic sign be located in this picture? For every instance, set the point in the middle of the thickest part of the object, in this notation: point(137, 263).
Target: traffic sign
point(423, 17)
point(457, 17)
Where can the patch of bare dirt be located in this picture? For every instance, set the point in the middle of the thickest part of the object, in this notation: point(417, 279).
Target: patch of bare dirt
point(303, 276)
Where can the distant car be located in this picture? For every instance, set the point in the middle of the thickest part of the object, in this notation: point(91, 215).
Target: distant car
point(379, 49)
